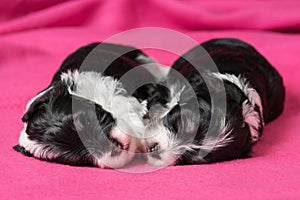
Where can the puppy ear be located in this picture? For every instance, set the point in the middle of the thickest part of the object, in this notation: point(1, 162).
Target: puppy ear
point(88, 112)
point(184, 119)
point(40, 99)
point(173, 118)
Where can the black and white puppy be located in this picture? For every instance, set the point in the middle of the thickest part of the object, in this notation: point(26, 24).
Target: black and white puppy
point(86, 116)
point(183, 128)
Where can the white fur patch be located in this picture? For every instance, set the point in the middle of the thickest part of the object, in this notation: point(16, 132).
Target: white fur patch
point(175, 93)
point(110, 94)
point(36, 97)
point(107, 161)
point(251, 117)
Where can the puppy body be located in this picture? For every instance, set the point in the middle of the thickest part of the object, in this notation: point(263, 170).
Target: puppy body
point(90, 114)
point(187, 133)
point(86, 115)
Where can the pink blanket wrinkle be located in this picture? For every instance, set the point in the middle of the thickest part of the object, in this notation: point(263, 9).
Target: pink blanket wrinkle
point(35, 36)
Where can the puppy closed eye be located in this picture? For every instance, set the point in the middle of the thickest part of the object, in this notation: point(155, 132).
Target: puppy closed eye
point(154, 151)
point(116, 143)
point(153, 147)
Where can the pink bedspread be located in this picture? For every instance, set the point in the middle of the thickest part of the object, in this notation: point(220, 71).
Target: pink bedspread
point(35, 37)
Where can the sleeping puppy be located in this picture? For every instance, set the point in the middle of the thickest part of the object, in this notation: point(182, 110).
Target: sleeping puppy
point(86, 116)
point(185, 127)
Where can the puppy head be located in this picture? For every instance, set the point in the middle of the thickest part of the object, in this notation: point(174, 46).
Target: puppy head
point(62, 127)
point(171, 127)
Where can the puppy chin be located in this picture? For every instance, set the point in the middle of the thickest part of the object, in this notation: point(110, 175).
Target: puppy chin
point(108, 162)
point(125, 155)
point(166, 159)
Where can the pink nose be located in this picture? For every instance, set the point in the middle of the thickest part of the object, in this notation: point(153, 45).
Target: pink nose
point(120, 139)
point(119, 145)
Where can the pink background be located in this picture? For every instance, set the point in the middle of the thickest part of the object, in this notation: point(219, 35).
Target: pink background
point(35, 37)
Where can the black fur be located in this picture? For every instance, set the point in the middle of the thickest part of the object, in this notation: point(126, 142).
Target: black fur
point(231, 56)
point(53, 122)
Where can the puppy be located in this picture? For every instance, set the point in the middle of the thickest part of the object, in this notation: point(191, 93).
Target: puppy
point(86, 116)
point(185, 126)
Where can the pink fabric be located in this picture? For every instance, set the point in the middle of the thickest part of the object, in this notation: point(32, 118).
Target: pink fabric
point(35, 37)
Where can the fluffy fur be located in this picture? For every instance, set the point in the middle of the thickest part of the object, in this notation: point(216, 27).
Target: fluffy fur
point(178, 133)
point(90, 115)
point(86, 115)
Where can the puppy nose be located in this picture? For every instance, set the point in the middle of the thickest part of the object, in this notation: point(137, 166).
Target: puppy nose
point(118, 145)
point(117, 148)
point(120, 140)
